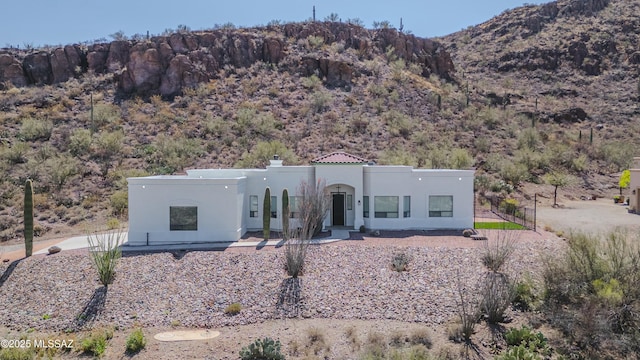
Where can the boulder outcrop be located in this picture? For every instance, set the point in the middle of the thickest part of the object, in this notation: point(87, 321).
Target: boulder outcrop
point(167, 64)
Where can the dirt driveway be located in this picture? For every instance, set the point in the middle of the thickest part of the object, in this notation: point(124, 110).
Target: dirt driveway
point(595, 216)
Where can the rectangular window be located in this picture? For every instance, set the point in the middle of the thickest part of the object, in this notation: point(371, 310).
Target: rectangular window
point(406, 206)
point(349, 202)
point(274, 207)
point(440, 206)
point(253, 206)
point(385, 206)
point(183, 218)
point(293, 206)
point(365, 206)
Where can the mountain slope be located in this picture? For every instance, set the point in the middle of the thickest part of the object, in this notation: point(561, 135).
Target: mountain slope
point(538, 89)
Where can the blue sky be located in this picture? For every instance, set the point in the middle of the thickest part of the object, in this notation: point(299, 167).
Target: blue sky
point(54, 22)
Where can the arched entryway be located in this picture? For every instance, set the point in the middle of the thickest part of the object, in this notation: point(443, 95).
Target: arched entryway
point(342, 209)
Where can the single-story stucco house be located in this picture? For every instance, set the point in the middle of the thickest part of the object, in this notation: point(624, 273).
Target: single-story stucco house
point(221, 205)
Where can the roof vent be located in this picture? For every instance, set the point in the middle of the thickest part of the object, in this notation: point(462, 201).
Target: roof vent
point(276, 157)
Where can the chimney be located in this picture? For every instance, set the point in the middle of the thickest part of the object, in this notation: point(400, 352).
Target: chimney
point(276, 161)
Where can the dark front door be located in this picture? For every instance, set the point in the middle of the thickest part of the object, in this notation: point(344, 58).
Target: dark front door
point(338, 210)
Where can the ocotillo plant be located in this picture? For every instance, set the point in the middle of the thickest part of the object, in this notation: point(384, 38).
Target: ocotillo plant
point(285, 213)
point(266, 214)
point(28, 217)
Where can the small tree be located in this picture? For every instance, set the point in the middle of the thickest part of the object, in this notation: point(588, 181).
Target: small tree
point(625, 180)
point(266, 214)
point(311, 207)
point(558, 180)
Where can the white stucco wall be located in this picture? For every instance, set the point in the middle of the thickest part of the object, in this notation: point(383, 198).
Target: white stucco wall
point(220, 205)
point(277, 178)
point(419, 184)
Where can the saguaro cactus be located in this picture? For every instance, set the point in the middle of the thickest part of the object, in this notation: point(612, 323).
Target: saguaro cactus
point(266, 214)
point(285, 213)
point(28, 217)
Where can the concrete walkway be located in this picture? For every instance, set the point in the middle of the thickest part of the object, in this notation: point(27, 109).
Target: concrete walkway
point(81, 242)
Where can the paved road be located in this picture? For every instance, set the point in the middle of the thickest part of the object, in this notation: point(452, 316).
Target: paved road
point(596, 216)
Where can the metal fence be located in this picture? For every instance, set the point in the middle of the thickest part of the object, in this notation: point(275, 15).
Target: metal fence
point(513, 212)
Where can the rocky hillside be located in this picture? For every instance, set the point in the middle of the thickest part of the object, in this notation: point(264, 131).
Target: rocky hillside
point(575, 62)
point(166, 64)
point(538, 89)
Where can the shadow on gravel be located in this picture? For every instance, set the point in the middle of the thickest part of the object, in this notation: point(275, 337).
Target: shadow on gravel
point(289, 299)
point(93, 307)
point(7, 273)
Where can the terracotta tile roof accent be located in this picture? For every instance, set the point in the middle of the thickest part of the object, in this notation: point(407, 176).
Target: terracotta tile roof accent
point(339, 158)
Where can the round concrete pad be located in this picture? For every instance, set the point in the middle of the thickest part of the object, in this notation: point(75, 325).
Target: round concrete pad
point(183, 335)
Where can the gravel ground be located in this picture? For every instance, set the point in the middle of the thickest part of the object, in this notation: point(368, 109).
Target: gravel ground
point(345, 280)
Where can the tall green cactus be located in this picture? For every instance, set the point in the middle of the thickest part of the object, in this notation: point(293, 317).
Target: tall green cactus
point(285, 214)
point(266, 214)
point(28, 218)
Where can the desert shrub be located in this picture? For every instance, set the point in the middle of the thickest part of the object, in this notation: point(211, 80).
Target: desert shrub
point(468, 311)
point(591, 291)
point(36, 129)
point(529, 138)
point(400, 262)
point(316, 341)
point(104, 250)
point(519, 353)
point(461, 159)
point(16, 353)
point(233, 309)
point(262, 349)
point(60, 169)
point(312, 82)
point(315, 42)
point(514, 173)
point(171, 154)
point(113, 223)
point(609, 291)
point(536, 343)
point(108, 146)
point(263, 152)
point(496, 296)
point(497, 249)
point(96, 343)
point(421, 337)
point(509, 206)
point(16, 153)
point(135, 341)
point(80, 142)
point(119, 202)
point(320, 100)
point(104, 114)
point(524, 297)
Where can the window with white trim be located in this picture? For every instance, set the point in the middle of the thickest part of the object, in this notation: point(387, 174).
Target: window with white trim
point(294, 202)
point(440, 206)
point(385, 206)
point(183, 218)
point(365, 206)
point(406, 206)
point(274, 207)
point(253, 206)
